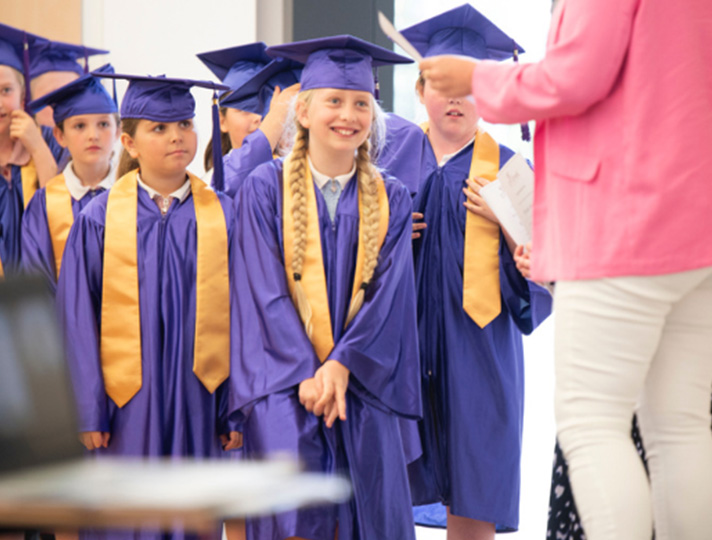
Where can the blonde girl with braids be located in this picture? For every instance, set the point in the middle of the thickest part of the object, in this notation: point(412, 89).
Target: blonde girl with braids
point(328, 361)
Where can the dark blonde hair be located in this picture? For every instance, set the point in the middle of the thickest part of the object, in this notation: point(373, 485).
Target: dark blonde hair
point(126, 162)
point(367, 176)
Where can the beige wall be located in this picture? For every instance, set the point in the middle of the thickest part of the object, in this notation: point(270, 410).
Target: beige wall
point(55, 19)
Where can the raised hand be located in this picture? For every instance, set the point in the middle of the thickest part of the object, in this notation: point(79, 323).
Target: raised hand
point(449, 75)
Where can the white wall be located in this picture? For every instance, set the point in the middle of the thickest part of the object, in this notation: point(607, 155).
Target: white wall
point(157, 37)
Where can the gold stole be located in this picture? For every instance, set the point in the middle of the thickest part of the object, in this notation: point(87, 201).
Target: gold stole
point(313, 278)
point(30, 183)
point(120, 310)
point(481, 296)
point(59, 217)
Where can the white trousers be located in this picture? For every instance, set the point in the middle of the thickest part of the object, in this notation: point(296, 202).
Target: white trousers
point(643, 345)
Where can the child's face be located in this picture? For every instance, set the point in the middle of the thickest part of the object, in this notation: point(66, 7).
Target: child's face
point(238, 125)
point(89, 138)
point(43, 85)
point(455, 118)
point(162, 148)
point(10, 96)
point(338, 120)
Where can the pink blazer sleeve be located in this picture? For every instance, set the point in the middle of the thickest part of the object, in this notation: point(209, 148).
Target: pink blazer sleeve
point(587, 46)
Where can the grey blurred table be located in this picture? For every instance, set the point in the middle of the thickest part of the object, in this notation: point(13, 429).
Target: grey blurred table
point(166, 494)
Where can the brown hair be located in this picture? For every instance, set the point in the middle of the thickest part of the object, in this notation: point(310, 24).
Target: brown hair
point(368, 188)
point(126, 162)
point(225, 144)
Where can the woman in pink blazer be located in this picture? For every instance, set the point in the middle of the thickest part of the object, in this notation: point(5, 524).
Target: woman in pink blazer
point(623, 223)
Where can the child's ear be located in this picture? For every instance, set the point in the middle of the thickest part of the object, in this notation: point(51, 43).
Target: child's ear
point(128, 143)
point(59, 136)
point(301, 111)
point(419, 89)
point(223, 122)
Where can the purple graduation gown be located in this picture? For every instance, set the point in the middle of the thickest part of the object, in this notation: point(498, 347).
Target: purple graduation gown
point(12, 207)
point(472, 378)
point(172, 414)
point(37, 249)
point(238, 163)
point(404, 151)
point(379, 347)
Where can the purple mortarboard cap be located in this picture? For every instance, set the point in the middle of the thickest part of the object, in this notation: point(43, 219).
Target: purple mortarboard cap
point(236, 65)
point(14, 51)
point(255, 95)
point(344, 62)
point(86, 95)
point(160, 99)
point(58, 56)
point(163, 99)
point(462, 31)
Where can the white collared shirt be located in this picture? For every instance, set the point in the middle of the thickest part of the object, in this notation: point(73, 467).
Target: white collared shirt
point(181, 193)
point(448, 157)
point(77, 190)
point(322, 179)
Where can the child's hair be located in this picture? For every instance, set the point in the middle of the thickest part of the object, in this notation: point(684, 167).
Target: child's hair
point(225, 144)
point(367, 178)
point(60, 125)
point(420, 83)
point(126, 162)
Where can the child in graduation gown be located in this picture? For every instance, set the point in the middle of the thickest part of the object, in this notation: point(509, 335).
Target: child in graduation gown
point(54, 64)
point(28, 153)
point(144, 292)
point(86, 123)
point(473, 304)
point(327, 311)
point(254, 110)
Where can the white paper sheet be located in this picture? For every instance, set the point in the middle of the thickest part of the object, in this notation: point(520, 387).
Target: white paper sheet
point(511, 197)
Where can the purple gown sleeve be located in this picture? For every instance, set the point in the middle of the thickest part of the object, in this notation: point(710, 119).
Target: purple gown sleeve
point(79, 310)
point(528, 303)
point(61, 155)
point(402, 155)
point(37, 249)
point(380, 346)
point(240, 162)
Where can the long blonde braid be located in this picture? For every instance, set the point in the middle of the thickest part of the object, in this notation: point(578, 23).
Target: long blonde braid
point(297, 185)
point(367, 183)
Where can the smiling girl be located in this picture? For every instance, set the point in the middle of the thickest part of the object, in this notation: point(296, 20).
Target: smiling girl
point(86, 123)
point(144, 291)
point(329, 354)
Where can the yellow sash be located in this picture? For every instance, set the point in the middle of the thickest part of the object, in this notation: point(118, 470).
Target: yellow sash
point(59, 217)
point(2, 271)
point(30, 184)
point(120, 311)
point(313, 278)
point(481, 297)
